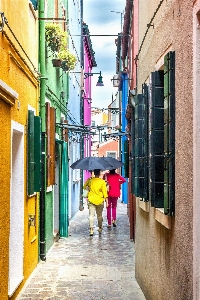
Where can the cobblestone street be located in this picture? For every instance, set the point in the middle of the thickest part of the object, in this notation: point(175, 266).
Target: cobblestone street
point(81, 267)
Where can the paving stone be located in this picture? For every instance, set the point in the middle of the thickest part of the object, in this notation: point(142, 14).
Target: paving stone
point(81, 267)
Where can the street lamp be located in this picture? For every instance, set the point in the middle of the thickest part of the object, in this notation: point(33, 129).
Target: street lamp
point(100, 79)
point(118, 12)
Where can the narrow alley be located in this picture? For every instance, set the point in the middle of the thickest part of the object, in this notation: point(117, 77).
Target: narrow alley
point(81, 267)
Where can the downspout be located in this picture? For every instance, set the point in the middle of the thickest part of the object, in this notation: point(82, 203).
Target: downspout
point(81, 101)
point(42, 114)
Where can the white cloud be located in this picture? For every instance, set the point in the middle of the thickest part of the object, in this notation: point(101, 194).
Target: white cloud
point(101, 21)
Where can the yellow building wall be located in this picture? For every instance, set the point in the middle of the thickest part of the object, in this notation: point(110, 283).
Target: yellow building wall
point(17, 72)
point(105, 118)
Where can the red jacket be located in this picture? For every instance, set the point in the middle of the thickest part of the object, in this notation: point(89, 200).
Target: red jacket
point(114, 181)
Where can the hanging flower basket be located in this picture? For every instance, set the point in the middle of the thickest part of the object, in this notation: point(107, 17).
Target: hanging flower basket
point(56, 62)
point(56, 40)
point(64, 65)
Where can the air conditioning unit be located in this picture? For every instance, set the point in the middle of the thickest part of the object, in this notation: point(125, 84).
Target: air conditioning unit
point(115, 80)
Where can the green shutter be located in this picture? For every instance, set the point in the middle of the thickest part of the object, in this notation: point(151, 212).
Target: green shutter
point(169, 133)
point(133, 151)
point(145, 92)
point(139, 148)
point(30, 154)
point(156, 137)
point(37, 153)
point(126, 159)
point(35, 4)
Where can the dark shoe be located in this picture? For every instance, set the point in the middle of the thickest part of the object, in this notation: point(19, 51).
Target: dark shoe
point(109, 226)
point(91, 232)
point(114, 224)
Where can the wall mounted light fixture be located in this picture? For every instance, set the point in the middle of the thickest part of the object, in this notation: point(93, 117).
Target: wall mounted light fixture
point(100, 79)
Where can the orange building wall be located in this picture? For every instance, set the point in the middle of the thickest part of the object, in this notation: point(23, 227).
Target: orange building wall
point(18, 74)
point(108, 146)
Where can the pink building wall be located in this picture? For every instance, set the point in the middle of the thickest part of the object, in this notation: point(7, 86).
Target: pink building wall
point(89, 63)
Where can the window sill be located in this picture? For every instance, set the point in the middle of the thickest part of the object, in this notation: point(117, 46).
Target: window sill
point(76, 180)
point(162, 218)
point(144, 205)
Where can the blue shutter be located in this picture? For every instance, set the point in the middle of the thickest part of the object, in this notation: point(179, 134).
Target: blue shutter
point(156, 136)
point(169, 133)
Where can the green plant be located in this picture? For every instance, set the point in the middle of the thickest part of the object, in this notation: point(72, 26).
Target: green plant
point(56, 40)
point(68, 60)
point(55, 36)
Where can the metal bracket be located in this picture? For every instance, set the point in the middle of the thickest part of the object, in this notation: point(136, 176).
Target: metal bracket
point(31, 220)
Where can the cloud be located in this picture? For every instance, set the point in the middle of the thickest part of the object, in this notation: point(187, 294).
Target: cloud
point(101, 21)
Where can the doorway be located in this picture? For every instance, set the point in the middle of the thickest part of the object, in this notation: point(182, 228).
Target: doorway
point(16, 239)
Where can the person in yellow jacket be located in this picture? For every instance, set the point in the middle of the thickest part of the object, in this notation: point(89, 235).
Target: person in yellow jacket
point(96, 196)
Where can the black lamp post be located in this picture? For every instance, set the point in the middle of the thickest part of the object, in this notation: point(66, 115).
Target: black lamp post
point(100, 79)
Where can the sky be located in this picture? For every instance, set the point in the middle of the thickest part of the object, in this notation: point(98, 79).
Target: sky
point(100, 20)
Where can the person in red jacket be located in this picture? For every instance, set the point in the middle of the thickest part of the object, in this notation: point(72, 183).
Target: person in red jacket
point(114, 181)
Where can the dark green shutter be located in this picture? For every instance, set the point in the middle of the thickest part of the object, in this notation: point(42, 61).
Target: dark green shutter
point(139, 147)
point(34, 153)
point(133, 150)
point(156, 144)
point(145, 93)
point(37, 153)
point(169, 132)
point(35, 4)
point(31, 160)
point(126, 159)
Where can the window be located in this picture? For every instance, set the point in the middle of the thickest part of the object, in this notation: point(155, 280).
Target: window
point(153, 136)
point(111, 154)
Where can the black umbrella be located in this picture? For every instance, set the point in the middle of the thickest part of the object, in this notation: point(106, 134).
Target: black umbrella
point(91, 163)
point(115, 163)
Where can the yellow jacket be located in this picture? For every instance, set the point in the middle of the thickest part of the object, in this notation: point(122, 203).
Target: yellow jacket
point(97, 190)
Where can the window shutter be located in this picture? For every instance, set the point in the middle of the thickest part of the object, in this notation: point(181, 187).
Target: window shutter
point(48, 129)
point(156, 136)
point(169, 132)
point(30, 154)
point(52, 144)
point(126, 159)
point(133, 151)
point(146, 140)
point(35, 4)
point(139, 147)
point(37, 153)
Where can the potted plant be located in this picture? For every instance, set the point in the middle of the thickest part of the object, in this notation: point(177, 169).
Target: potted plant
point(56, 40)
point(68, 60)
point(54, 36)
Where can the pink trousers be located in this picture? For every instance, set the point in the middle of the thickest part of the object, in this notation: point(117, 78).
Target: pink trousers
point(111, 209)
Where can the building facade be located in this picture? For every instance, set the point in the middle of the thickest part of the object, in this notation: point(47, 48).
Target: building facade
point(19, 94)
point(164, 147)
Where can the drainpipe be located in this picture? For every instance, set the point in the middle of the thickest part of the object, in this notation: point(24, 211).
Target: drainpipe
point(81, 102)
point(42, 114)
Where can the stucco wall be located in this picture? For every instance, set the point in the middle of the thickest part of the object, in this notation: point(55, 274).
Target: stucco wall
point(109, 146)
point(17, 73)
point(164, 256)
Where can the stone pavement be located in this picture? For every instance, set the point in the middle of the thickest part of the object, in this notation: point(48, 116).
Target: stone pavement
point(81, 267)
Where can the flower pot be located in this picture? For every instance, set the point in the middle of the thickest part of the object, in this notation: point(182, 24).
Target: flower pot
point(56, 62)
point(64, 65)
